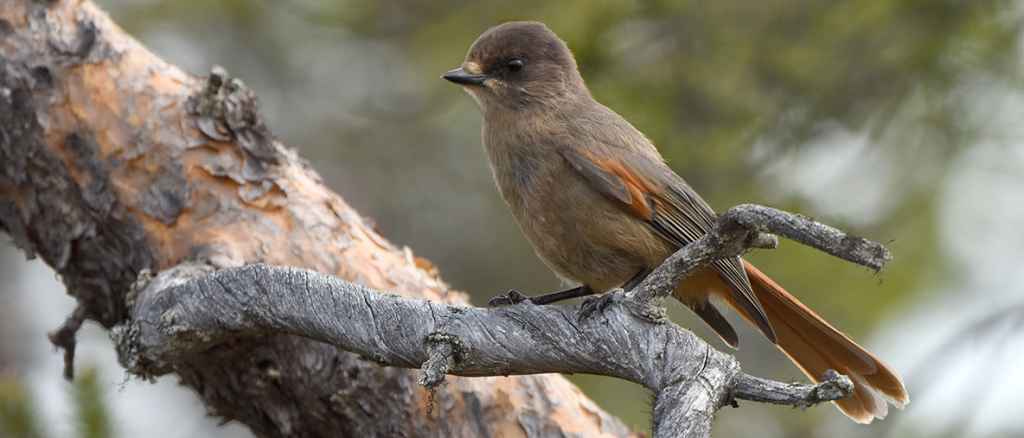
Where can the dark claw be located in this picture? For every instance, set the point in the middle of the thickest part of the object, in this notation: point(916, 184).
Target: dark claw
point(510, 298)
point(594, 306)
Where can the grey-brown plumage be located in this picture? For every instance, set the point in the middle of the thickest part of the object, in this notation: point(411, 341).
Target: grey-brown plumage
point(549, 140)
point(599, 205)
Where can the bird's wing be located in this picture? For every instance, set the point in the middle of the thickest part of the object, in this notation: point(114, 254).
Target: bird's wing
point(648, 189)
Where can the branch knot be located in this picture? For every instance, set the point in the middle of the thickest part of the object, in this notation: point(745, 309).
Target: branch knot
point(227, 110)
point(444, 351)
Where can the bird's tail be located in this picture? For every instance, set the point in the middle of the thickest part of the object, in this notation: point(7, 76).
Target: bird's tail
point(815, 346)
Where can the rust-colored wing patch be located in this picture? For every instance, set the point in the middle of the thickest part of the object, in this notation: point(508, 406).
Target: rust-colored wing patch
point(614, 180)
point(670, 207)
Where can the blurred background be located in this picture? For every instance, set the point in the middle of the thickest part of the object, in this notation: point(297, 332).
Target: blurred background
point(899, 120)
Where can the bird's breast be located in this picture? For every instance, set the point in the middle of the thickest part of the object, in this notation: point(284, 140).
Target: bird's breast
point(576, 231)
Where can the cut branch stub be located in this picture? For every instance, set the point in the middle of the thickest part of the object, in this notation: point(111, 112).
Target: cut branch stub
point(65, 337)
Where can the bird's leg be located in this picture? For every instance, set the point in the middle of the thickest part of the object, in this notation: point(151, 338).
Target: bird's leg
point(511, 297)
point(595, 305)
point(554, 297)
point(515, 297)
point(636, 280)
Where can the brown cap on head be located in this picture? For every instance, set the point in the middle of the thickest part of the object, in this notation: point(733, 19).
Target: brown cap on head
point(519, 62)
point(530, 41)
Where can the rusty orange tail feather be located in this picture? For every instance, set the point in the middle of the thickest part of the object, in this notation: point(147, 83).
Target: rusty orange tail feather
point(815, 346)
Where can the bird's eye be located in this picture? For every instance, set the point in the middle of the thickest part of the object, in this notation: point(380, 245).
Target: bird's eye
point(515, 65)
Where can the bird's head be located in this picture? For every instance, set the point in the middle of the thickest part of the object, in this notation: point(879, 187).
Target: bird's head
point(518, 65)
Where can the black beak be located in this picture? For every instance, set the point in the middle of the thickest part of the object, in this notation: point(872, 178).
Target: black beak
point(459, 76)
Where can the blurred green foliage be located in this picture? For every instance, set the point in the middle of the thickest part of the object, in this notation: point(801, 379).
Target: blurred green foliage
point(90, 409)
point(19, 417)
point(17, 414)
point(738, 95)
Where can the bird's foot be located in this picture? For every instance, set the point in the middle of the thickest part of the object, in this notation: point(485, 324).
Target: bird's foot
point(509, 298)
point(595, 305)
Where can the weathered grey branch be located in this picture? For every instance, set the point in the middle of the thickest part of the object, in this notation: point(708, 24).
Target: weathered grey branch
point(191, 308)
point(833, 386)
point(745, 226)
point(114, 163)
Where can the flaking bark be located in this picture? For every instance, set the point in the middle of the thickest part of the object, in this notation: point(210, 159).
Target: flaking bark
point(191, 308)
point(114, 163)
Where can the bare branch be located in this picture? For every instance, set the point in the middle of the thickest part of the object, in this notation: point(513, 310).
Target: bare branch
point(809, 232)
point(114, 162)
point(833, 386)
point(82, 102)
point(744, 227)
point(175, 318)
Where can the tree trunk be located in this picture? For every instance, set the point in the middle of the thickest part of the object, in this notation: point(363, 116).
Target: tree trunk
point(114, 163)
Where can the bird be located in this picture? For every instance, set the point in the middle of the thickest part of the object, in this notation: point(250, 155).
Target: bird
point(602, 208)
